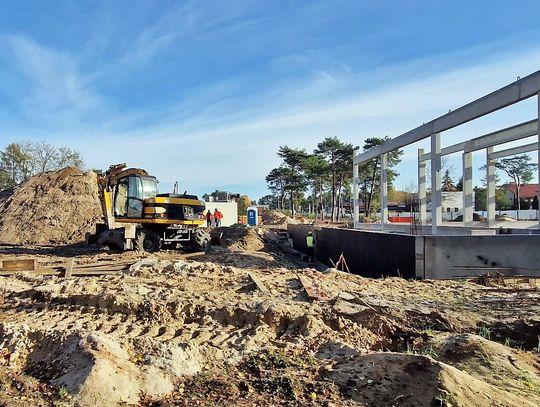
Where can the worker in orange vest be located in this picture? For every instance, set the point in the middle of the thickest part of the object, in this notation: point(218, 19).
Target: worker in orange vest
point(217, 217)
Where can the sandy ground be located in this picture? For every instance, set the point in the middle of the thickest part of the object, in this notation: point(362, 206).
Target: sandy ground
point(172, 331)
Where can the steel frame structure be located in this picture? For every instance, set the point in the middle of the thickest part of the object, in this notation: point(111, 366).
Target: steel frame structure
point(518, 91)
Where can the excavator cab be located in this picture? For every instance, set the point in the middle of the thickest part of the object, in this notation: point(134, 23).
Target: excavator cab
point(130, 193)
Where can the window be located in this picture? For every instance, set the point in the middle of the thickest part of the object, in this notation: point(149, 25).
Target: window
point(456, 209)
point(149, 188)
point(135, 202)
point(447, 209)
point(135, 187)
point(130, 194)
point(120, 198)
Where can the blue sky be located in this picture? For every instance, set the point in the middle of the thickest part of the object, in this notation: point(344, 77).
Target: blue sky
point(204, 92)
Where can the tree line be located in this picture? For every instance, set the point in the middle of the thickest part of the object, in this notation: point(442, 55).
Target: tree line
point(19, 161)
point(519, 169)
point(321, 181)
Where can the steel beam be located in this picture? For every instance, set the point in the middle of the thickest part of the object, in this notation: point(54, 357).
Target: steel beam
point(384, 190)
point(526, 148)
point(456, 148)
point(517, 132)
point(515, 92)
point(513, 133)
point(436, 211)
point(422, 201)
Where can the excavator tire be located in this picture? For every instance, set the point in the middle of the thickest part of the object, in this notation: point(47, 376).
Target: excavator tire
point(200, 240)
point(147, 241)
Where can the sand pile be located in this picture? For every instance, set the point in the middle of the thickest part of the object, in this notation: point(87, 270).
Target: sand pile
point(242, 239)
point(274, 217)
point(55, 207)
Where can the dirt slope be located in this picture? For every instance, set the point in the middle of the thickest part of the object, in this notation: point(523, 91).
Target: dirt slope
point(186, 332)
point(56, 207)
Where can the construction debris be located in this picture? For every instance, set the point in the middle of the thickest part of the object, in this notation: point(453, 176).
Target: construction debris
point(313, 290)
point(258, 283)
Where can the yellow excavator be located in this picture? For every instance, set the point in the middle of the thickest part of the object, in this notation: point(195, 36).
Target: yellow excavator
point(138, 217)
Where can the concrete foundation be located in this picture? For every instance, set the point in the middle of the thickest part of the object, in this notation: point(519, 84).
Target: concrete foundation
point(395, 253)
point(378, 254)
point(459, 256)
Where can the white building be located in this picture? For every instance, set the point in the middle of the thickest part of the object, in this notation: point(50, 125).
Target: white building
point(451, 204)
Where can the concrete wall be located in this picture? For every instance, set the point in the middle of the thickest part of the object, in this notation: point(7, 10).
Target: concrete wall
point(375, 254)
point(456, 228)
point(298, 233)
point(395, 252)
point(228, 209)
point(443, 256)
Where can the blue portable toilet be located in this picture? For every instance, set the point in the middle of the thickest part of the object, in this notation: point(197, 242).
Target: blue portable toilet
point(252, 216)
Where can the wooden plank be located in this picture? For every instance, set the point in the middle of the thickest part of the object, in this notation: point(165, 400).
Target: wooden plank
point(258, 283)
point(308, 287)
point(19, 265)
point(105, 264)
point(103, 267)
point(69, 267)
point(74, 273)
point(42, 272)
point(190, 255)
point(314, 293)
point(95, 273)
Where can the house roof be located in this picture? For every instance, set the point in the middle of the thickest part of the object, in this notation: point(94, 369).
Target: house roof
point(525, 191)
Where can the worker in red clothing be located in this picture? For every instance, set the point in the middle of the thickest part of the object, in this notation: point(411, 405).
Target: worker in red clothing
point(217, 217)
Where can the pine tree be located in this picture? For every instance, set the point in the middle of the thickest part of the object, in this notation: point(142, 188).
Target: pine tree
point(447, 183)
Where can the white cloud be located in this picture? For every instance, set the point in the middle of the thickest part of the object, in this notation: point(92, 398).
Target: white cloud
point(233, 139)
point(58, 91)
point(183, 23)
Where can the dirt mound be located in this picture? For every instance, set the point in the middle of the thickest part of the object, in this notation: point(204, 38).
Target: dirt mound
point(273, 217)
point(499, 365)
point(55, 207)
point(277, 218)
point(236, 239)
point(415, 380)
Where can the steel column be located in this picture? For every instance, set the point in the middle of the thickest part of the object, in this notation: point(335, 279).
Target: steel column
point(384, 190)
point(356, 211)
point(436, 211)
point(490, 195)
point(422, 201)
point(468, 202)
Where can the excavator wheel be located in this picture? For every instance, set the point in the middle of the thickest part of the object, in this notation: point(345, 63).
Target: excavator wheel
point(147, 241)
point(200, 240)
